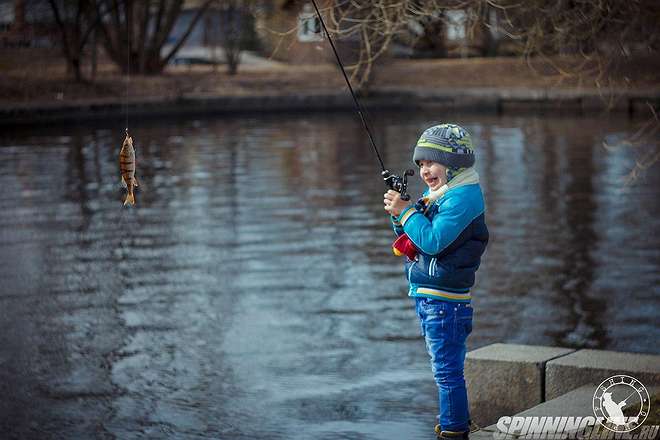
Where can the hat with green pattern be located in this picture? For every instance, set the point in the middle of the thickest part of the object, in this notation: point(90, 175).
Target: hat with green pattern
point(447, 144)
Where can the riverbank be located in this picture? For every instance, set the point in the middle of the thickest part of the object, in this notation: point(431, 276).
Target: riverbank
point(470, 100)
point(42, 92)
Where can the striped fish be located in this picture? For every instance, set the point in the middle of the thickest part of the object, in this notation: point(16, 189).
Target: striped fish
point(127, 168)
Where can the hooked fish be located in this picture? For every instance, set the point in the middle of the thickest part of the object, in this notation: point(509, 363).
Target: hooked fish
point(127, 168)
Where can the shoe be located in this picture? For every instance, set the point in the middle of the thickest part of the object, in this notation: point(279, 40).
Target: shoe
point(456, 435)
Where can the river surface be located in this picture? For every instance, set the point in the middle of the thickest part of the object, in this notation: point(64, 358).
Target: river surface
point(251, 293)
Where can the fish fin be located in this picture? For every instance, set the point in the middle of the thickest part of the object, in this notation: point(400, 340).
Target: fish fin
point(135, 182)
point(123, 182)
point(129, 200)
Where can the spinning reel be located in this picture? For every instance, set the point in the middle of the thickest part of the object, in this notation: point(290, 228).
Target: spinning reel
point(398, 183)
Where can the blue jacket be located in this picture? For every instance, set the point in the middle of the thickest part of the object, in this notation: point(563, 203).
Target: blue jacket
point(450, 237)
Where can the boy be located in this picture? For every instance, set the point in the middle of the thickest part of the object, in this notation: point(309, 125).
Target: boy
point(447, 231)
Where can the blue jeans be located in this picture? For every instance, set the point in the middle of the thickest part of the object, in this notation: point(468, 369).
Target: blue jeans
point(445, 327)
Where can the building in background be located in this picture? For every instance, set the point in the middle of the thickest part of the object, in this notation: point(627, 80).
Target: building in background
point(226, 26)
point(290, 31)
point(27, 23)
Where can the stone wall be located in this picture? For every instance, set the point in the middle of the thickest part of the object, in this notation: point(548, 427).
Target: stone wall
point(505, 379)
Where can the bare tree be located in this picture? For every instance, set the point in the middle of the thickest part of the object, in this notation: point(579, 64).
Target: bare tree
point(134, 32)
point(76, 22)
point(602, 32)
point(230, 26)
point(19, 15)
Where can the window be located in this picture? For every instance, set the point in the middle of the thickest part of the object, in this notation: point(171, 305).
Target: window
point(456, 21)
point(6, 14)
point(309, 25)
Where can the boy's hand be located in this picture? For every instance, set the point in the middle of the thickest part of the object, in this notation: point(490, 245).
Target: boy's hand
point(393, 203)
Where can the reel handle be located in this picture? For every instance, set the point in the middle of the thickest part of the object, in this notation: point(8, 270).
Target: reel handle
point(398, 183)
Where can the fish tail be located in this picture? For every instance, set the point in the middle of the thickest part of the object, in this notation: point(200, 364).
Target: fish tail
point(130, 199)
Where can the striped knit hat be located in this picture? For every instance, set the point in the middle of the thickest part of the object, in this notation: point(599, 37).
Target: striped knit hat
point(447, 144)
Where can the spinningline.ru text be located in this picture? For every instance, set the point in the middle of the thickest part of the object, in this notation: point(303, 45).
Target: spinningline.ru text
point(555, 428)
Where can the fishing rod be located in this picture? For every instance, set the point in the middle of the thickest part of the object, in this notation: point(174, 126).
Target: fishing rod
point(393, 181)
point(629, 395)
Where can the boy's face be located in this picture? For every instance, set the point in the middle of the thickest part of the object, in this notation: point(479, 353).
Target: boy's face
point(433, 174)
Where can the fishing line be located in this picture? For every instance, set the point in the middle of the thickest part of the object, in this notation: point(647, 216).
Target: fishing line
point(128, 66)
point(358, 107)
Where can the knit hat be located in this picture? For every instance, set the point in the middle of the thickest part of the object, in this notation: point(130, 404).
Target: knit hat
point(447, 144)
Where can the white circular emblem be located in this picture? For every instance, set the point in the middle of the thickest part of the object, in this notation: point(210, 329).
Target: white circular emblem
point(621, 403)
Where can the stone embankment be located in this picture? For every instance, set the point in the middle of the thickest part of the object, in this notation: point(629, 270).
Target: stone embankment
point(536, 381)
point(481, 99)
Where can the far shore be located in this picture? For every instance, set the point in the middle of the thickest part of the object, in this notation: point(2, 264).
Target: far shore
point(482, 100)
point(36, 89)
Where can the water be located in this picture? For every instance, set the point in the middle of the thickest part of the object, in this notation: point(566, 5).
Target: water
point(252, 293)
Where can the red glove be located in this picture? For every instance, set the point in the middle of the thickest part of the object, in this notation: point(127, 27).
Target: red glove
point(403, 246)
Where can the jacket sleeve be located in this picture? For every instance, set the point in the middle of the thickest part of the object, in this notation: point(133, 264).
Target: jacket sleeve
point(432, 236)
point(396, 226)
